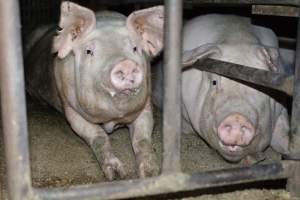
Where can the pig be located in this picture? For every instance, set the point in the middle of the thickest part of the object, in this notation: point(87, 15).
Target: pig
point(236, 120)
point(96, 70)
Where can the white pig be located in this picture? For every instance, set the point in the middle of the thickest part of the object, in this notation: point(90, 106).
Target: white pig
point(100, 78)
point(236, 120)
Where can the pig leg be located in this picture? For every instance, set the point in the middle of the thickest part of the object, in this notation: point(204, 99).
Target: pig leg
point(140, 132)
point(98, 140)
point(280, 137)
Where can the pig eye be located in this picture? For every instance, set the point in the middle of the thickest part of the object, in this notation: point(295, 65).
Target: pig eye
point(58, 28)
point(134, 49)
point(89, 52)
point(214, 82)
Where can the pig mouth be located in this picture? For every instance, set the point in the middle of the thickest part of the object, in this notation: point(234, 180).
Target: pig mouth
point(231, 148)
point(130, 91)
point(231, 153)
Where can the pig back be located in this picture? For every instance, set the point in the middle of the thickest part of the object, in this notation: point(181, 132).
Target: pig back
point(39, 68)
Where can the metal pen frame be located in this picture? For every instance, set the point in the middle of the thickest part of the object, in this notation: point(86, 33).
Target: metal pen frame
point(172, 179)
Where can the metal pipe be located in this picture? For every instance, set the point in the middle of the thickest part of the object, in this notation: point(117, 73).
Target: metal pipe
point(216, 2)
point(172, 86)
point(295, 126)
point(13, 102)
point(176, 182)
point(247, 2)
point(278, 81)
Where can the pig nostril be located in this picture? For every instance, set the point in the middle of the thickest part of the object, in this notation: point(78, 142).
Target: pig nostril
point(227, 127)
point(120, 75)
point(244, 129)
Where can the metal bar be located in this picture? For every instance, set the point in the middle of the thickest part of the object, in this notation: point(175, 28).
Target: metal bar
point(246, 2)
point(295, 126)
point(13, 102)
point(176, 182)
point(172, 87)
point(278, 81)
point(216, 2)
point(293, 183)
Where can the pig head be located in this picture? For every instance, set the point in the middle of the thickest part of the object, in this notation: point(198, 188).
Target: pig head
point(235, 119)
point(99, 77)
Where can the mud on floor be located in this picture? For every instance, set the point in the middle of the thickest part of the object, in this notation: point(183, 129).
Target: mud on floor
point(60, 158)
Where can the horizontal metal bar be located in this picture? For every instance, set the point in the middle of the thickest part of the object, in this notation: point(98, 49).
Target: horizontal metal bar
point(250, 2)
point(170, 183)
point(216, 2)
point(278, 81)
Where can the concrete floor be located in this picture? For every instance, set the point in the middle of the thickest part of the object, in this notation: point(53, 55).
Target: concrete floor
point(60, 158)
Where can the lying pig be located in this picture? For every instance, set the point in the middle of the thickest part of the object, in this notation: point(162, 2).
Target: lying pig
point(99, 77)
point(236, 120)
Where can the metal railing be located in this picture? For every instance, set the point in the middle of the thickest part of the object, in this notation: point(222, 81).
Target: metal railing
point(172, 179)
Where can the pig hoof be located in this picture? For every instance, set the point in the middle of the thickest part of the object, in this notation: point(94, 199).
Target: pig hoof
point(113, 168)
point(147, 165)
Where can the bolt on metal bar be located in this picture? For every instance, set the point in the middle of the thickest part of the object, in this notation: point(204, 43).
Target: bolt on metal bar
point(170, 183)
point(13, 102)
point(172, 86)
point(295, 126)
point(278, 81)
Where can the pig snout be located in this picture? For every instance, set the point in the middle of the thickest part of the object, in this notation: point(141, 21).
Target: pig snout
point(126, 76)
point(235, 131)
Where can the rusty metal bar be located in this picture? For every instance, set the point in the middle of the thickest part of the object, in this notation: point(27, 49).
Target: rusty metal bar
point(172, 87)
point(13, 102)
point(176, 182)
point(278, 81)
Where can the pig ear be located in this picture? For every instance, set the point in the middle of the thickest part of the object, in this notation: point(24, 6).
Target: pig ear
point(270, 56)
point(146, 29)
point(75, 22)
point(189, 57)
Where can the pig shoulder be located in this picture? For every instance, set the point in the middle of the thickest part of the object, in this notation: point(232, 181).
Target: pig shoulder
point(216, 28)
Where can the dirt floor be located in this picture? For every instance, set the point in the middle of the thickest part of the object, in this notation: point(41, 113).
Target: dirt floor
point(60, 158)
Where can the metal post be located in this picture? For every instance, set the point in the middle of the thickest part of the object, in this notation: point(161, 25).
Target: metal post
point(172, 86)
point(13, 102)
point(295, 126)
point(293, 183)
point(164, 184)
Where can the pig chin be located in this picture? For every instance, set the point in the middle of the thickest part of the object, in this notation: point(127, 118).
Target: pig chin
point(232, 157)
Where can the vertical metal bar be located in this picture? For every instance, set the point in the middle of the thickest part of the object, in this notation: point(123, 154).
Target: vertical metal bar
point(295, 125)
point(293, 183)
point(13, 102)
point(172, 86)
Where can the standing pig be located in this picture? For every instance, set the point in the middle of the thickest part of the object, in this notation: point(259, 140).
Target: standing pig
point(100, 78)
point(236, 120)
